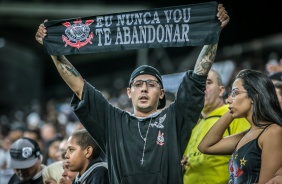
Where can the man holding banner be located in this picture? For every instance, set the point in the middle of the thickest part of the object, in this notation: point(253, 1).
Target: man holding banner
point(147, 146)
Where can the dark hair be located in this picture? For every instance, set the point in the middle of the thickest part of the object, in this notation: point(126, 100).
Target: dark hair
point(35, 131)
point(84, 139)
point(261, 90)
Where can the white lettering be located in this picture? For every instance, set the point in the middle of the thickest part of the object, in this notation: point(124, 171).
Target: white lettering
point(119, 37)
point(128, 22)
point(176, 34)
point(107, 32)
point(160, 28)
point(108, 21)
point(99, 21)
point(176, 13)
point(168, 30)
point(185, 30)
point(186, 20)
point(99, 32)
point(152, 34)
point(156, 18)
point(168, 15)
point(145, 19)
point(120, 20)
point(126, 39)
point(143, 34)
point(138, 18)
point(134, 36)
point(168, 33)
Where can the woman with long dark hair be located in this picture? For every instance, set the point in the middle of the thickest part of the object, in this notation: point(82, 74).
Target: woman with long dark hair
point(256, 152)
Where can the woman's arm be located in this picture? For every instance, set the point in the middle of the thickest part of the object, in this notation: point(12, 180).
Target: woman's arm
point(271, 144)
point(214, 143)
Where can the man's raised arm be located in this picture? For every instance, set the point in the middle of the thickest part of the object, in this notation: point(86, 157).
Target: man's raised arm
point(208, 53)
point(67, 71)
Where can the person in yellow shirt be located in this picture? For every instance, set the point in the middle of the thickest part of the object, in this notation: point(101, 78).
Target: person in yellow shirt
point(209, 169)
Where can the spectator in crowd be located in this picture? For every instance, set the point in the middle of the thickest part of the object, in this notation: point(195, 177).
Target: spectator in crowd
point(273, 68)
point(257, 154)
point(58, 172)
point(60, 155)
point(16, 132)
point(26, 162)
point(276, 77)
point(82, 156)
point(35, 134)
point(215, 166)
point(5, 173)
point(5, 128)
point(67, 175)
point(53, 173)
point(51, 150)
point(48, 131)
point(147, 146)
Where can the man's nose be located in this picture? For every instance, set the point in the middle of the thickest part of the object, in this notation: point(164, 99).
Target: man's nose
point(144, 85)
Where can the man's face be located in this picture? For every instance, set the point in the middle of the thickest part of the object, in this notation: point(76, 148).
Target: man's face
point(28, 173)
point(145, 96)
point(214, 91)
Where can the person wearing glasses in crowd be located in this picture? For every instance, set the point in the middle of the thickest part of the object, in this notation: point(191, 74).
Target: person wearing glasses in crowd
point(256, 153)
point(146, 146)
point(215, 166)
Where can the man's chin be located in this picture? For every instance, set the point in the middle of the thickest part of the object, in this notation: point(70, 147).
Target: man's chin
point(144, 107)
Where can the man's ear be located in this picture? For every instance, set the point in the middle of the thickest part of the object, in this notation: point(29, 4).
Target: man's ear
point(129, 93)
point(88, 151)
point(162, 93)
point(222, 90)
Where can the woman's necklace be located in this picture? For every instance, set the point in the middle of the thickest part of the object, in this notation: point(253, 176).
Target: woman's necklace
point(144, 139)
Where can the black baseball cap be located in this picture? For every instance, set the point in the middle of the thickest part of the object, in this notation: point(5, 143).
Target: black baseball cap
point(146, 69)
point(24, 153)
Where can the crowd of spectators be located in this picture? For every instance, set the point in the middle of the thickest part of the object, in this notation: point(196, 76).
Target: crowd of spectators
point(54, 121)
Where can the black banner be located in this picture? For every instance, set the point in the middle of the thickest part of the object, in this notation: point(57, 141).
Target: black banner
point(178, 26)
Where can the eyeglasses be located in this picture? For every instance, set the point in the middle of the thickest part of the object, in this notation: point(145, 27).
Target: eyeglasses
point(236, 92)
point(149, 83)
